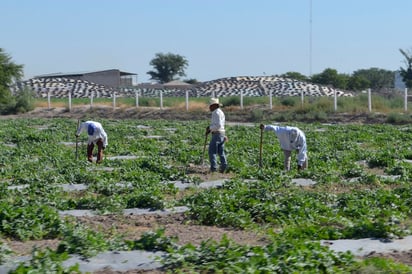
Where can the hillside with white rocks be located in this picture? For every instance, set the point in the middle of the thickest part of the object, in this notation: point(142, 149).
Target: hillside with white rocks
point(230, 86)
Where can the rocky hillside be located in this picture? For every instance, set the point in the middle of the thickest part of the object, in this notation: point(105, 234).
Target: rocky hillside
point(231, 86)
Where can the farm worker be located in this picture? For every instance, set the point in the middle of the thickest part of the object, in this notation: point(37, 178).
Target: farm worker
point(290, 138)
point(97, 136)
point(217, 143)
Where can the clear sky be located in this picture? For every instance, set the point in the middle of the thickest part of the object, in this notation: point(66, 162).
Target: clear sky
point(219, 38)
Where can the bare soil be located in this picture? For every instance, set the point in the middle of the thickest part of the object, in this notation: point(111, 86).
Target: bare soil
point(175, 225)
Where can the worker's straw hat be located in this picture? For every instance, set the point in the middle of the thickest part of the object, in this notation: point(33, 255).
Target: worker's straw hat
point(214, 101)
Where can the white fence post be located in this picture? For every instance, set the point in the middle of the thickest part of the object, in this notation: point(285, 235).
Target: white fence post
point(241, 99)
point(137, 98)
point(161, 99)
point(406, 99)
point(369, 100)
point(335, 102)
point(48, 100)
point(302, 97)
point(187, 100)
point(270, 99)
point(70, 101)
point(91, 99)
point(114, 100)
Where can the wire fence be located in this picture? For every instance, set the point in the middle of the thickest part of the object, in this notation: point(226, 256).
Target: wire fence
point(239, 101)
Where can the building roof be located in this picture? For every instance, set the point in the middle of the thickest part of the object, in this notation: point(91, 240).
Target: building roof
point(61, 74)
point(124, 73)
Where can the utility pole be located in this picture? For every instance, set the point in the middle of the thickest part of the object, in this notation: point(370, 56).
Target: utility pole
point(310, 38)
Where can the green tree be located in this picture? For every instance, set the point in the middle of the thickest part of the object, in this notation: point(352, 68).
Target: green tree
point(295, 75)
point(330, 77)
point(378, 79)
point(167, 67)
point(10, 74)
point(406, 73)
point(358, 83)
point(191, 81)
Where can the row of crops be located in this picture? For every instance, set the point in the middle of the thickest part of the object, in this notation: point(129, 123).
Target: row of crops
point(351, 199)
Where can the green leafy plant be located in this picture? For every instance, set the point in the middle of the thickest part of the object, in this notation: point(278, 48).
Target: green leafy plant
point(153, 241)
point(279, 257)
point(46, 261)
point(77, 239)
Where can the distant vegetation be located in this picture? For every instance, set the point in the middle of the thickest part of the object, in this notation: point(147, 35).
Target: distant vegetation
point(9, 74)
point(406, 73)
point(168, 67)
point(373, 78)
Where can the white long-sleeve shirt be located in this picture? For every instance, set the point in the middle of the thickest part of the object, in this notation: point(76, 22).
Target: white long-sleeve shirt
point(95, 132)
point(217, 123)
point(291, 138)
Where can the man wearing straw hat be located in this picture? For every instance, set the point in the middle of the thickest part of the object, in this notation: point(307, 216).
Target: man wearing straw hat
point(217, 143)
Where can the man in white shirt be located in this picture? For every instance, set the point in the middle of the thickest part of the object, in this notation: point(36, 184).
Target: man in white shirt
point(97, 136)
point(217, 143)
point(290, 138)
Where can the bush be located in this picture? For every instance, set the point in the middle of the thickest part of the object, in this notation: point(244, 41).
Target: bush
point(231, 101)
point(21, 102)
point(7, 101)
point(288, 101)
point(24, 101)
point(256, 115)
point(398, 118)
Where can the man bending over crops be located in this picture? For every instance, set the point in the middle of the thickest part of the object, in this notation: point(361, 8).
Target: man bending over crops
point(290, 138)
point(97, 136)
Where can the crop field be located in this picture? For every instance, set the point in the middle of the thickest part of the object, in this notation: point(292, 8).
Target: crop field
point(362, 190)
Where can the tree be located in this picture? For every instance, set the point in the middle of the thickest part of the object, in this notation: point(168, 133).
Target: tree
point(191, 81)
point(167, 67)
point(378, 79)
point(10, 74)
point(358, 83)
point(330, 77)
point(406, 73)
point(295, 76)
point(9, 71)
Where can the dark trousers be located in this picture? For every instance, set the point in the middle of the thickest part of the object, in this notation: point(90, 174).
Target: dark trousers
point(100, 149)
